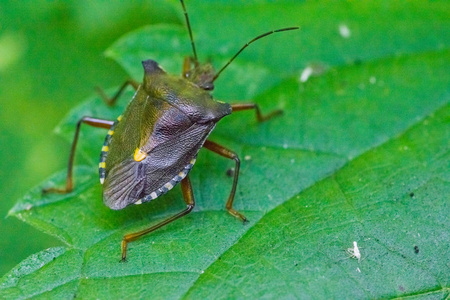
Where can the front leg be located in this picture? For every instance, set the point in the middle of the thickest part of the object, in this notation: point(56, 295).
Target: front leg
point(259, 116)
point(110, 101)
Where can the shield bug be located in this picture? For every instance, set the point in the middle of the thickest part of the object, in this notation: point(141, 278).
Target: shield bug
point(153, 145)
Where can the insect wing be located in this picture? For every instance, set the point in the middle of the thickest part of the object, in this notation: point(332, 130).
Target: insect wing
point(168, 137)
point(131, 181)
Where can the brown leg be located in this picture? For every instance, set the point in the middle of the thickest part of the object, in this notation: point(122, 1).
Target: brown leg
point(188, 197)
point(100, 123)
point(259, 116)
point(231, 155)
point(112, 101)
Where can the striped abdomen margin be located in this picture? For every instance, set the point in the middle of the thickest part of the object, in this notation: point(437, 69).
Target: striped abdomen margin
point(104, 153)
point(168, 186)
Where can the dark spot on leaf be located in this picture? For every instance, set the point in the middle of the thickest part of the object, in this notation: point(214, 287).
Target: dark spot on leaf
point(401, 288)
point(230, 172)
point(404, 256)
point(357, 62)
point(296, 264)
point(411, 195)
point(416, 249)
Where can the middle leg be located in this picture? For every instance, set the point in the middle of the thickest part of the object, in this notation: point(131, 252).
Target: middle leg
point(94, 122)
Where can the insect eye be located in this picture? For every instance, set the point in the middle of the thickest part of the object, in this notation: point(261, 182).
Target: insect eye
point(208, 86)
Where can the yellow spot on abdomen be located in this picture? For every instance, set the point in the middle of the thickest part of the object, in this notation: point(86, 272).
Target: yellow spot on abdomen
point(102, 165)
point(105, 148)
point(110, 132)
point(139, 155)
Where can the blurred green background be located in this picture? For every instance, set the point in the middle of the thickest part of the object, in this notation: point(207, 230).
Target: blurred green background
point(51, 57)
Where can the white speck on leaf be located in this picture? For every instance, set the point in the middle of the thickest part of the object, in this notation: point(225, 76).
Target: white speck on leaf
point(354, 252)
point(344, 31)
point(312, 69)
point(306, 73)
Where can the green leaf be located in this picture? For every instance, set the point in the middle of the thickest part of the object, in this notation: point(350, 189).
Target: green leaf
point(360, 154)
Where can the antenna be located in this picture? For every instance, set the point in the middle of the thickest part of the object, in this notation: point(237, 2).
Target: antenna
point(189, 29)
point(246, 45)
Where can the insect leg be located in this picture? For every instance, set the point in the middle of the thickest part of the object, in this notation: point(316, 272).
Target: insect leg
point(259, 116)
point(111, 101)
point(188, 197)
point(231, 155)
point(100, 123)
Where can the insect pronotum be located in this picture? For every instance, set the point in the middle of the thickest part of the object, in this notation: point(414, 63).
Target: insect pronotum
point(153, 145)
